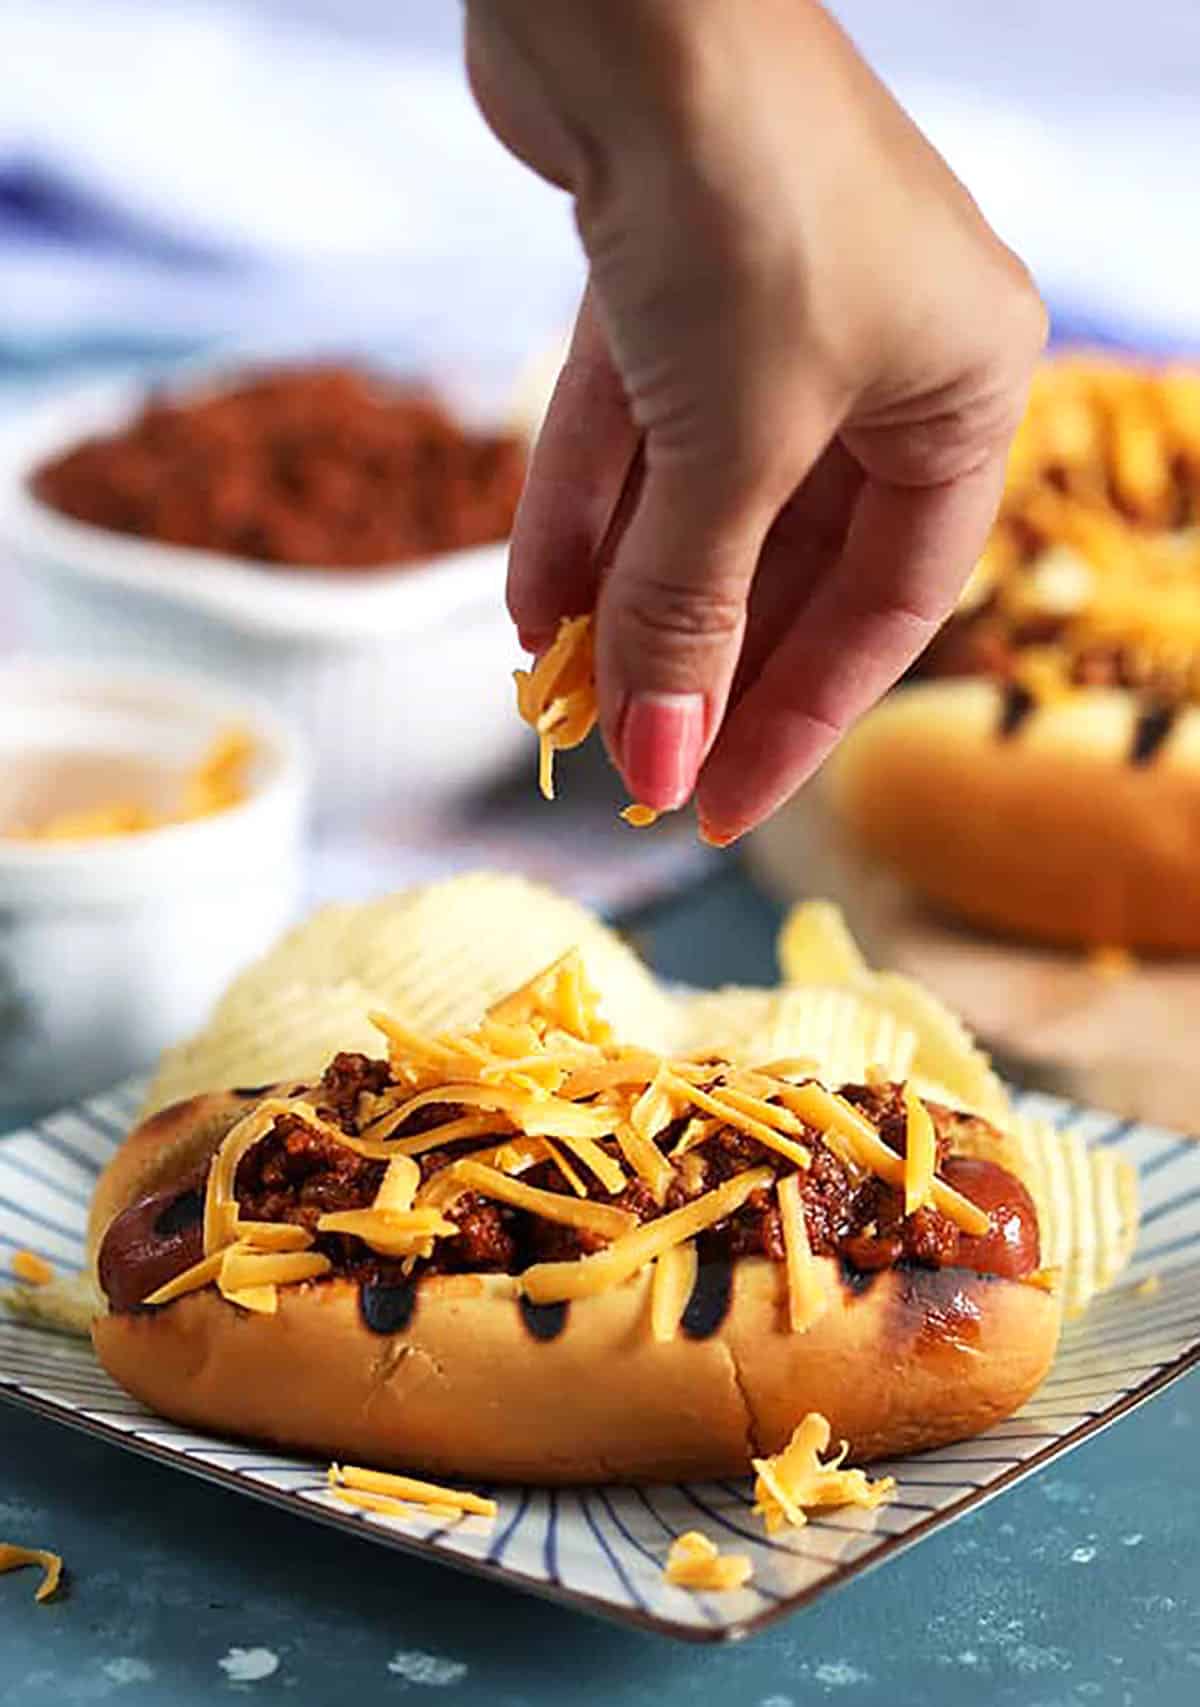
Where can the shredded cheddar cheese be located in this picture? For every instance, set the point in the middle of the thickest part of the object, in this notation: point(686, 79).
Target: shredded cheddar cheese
point(398, 1186)
point(200, 1274)
point(797, 1480)
point(556, 1282)
point(862, 1145)
point(543, 1081)
point(695, 1562)
point(601, 1218)
point(557, 698)
point(670, 1289)
point(807, 1300)
point(920, 1153)
point(12, 1557)
point(32, 1269)
point(396, 1492)
point(640, 817)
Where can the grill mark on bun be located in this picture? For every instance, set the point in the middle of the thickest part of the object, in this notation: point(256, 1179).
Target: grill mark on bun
point(1017, 705)
point(251, 1090)
point(387, 1306)
point(859, 1281)
point(1150, 733)
point(709, 1303)
point(544, 1321)
point(943, 1302)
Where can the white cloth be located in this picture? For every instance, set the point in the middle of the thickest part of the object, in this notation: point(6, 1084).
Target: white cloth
point(223, 171)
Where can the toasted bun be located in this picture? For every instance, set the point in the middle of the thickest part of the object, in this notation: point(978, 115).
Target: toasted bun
point(473, 1383)
point(1051, 833)
point(467, 1388)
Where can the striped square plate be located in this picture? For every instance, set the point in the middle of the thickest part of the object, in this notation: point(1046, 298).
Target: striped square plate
point(604, 1548)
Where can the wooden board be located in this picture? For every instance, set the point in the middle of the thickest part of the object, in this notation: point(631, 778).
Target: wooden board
point(1120, 1038)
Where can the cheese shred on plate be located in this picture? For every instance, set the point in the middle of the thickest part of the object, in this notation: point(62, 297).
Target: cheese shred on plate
point(31, 1268)
point(542, 1080)
point(797, 1480)
point(695, 1562)
point(355, 1485)
point(557, 698)
point(13, 1557)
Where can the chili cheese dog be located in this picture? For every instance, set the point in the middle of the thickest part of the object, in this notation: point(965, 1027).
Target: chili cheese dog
point(1043, 775)
point(530, 1254)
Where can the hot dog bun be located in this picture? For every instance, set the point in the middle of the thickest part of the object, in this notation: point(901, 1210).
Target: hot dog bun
point(473, 1383)
point(1051, 832)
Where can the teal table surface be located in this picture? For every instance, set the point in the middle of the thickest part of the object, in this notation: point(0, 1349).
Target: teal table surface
point(1080, 1586)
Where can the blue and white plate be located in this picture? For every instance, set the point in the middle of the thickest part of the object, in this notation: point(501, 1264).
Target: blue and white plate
point(604, 1548)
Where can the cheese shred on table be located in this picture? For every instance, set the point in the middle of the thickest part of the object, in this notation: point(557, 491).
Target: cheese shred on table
point(12, 1557)
point(542, 1078)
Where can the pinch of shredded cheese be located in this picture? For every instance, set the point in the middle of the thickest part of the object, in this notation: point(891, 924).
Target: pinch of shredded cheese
point(12, 1557)
point(557, 698)
point(695, 1562)
point(796, 1480)
point(31, 1268)
point(400, 1491)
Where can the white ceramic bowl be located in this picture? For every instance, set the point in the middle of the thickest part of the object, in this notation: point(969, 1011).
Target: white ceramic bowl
point(399, 679)
point(112, 949)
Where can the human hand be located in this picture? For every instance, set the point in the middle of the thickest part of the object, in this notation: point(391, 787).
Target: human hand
point(778, 441)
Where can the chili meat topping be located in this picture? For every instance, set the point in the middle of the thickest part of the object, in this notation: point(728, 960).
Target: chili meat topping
point(313, 467)
point(297, 1174)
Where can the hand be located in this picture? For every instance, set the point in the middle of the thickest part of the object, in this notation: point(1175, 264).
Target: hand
point(778, 441)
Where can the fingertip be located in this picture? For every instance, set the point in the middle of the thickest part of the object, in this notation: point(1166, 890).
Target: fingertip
point(714, 837)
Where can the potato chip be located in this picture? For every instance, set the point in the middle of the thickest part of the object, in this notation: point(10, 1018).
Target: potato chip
point(292, 1033)
point(840, 1030)
point(65, 1305)
point(815, 947)
point(1087, 1208)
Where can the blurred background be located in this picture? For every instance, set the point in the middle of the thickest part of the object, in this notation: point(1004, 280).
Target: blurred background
point(190, 183)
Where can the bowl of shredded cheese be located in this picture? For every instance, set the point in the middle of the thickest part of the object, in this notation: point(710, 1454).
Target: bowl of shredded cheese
point(150, 832)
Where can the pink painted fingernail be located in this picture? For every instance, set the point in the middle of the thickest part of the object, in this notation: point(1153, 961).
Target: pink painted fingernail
point(662, 741)
point(717, 838)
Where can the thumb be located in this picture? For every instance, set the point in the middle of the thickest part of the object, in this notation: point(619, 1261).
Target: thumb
point(669, 626)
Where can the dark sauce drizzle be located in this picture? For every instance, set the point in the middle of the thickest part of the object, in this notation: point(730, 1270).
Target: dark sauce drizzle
point(1150, 732)
point(709, 1303)
point(544, 1321)
point(387, 1306)
point(1018, 705)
